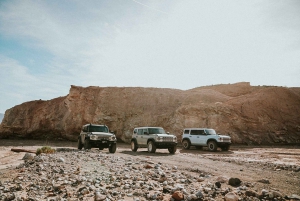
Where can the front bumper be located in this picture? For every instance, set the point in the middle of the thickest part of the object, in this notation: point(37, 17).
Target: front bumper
point(102, 143)
point(222, 144)
point(165, 144)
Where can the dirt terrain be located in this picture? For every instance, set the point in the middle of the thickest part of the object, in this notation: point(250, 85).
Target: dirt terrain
point(270, 168)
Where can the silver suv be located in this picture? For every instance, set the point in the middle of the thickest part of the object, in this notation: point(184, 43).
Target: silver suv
point(153, 138)
point(205, 137)
point(93, 135)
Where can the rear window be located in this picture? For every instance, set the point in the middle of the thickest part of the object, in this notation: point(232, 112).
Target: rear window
point(186, 131)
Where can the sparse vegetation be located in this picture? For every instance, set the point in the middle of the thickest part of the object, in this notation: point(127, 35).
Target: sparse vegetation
point(45, 150)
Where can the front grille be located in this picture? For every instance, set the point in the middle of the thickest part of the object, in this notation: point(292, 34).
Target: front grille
point(167, 139)
point(95, 137)
point(226, 140)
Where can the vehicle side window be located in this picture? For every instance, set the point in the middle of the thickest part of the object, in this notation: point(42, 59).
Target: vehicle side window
point(145, 131)
point(186, 131)
point(194, 132)
point(197, 132)
point(140, 132)
point(201, 132)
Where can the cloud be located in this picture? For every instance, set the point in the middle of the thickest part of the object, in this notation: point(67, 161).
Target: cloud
point(124, 43)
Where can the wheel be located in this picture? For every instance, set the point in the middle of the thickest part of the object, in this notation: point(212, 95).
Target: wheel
point(212, 146)
point(113, 148)
point(134, 146)
point(186, 144)
point(151, 147)
point(87, 144)
point(79, 143)
point(225, 148)
point(198, 147)
point(172, 150)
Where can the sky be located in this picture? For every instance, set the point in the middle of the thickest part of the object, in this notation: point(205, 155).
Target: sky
point(48, 45)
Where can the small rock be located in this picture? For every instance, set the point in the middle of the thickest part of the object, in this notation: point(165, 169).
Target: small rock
point(265, 181)
point(28, 156)
point(99, 196)
point(178, 195)
point(234, 181)
point(231, 197)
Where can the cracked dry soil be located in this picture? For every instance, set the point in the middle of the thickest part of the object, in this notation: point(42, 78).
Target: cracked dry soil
point(270, 168)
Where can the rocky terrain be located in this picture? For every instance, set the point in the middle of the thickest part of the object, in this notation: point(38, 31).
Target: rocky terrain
point(249, 114)
point(70, 174)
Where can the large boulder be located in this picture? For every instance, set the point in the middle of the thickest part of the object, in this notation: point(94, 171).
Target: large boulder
point(249, 114)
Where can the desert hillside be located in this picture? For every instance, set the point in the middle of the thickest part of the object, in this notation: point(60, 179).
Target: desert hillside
point(249, 114)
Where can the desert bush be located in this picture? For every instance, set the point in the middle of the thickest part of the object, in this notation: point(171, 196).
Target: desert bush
point(45, 150)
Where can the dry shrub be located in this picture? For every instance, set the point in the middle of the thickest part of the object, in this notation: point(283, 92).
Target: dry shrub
point(45, 150)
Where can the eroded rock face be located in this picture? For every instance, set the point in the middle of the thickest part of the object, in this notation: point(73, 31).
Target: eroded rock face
point(249, 114)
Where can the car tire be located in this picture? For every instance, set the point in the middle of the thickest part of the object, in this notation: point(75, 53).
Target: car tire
point(113, 148)
point(225, 148)
point(79, 144)
point(151, 147)
point(134, 146)
point(87, 144)
point(212, 146)
point(172, 150)
point(186, 144)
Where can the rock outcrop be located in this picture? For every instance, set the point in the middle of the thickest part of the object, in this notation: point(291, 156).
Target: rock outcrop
point(249, 114)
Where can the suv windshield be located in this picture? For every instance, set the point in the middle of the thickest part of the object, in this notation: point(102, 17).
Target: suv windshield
point(156, 131)
point(103, 129)
point(210, 132)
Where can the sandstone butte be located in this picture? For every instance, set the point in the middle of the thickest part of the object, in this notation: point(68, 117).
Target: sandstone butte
point(254, 115)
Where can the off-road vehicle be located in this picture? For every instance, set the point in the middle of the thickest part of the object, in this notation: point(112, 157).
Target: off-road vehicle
point(93, 135)
point(153, 138)
point(205, 137)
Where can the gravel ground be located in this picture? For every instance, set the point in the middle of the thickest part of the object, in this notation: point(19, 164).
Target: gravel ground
point(259, 173)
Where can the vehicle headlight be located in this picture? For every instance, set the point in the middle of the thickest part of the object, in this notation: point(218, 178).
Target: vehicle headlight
point(159, 138)
point(175, 139)
point(220, 139)
point(112, 138)
point(93, 137)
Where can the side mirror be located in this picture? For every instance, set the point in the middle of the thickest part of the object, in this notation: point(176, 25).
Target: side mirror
point(112, 132)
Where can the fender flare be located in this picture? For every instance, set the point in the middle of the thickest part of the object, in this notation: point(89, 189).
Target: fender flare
point(186, 139)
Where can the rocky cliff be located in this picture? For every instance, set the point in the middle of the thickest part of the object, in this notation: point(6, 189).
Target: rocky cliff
point(249, 114)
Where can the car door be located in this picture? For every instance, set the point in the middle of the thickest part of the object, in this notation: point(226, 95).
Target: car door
point(202, 137)
point(195, 137)
point(144, 136)
point(83, 133)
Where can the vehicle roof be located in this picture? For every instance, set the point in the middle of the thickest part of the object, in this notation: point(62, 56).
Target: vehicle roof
point(94, 125)
point(147, 127)
point(197, 128)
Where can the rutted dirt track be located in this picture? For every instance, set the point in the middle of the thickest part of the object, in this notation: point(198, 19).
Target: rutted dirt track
point(270, 168)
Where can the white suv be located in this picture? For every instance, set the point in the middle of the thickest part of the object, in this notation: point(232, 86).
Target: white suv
point(153, 138)
point(205, 137)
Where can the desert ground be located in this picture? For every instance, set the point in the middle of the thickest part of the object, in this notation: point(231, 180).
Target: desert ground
point(271, 168)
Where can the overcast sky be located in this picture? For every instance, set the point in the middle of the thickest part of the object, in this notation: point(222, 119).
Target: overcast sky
point(46, 46)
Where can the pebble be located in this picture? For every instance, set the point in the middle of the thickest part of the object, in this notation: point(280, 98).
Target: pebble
point(91, 175)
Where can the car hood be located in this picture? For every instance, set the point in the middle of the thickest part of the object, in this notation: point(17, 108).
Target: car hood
point(163, 135)
point(102, 134)
point(224, 136)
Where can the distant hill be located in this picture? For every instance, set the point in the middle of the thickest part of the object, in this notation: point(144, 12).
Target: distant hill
point(249, 114)
point(1, 117)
